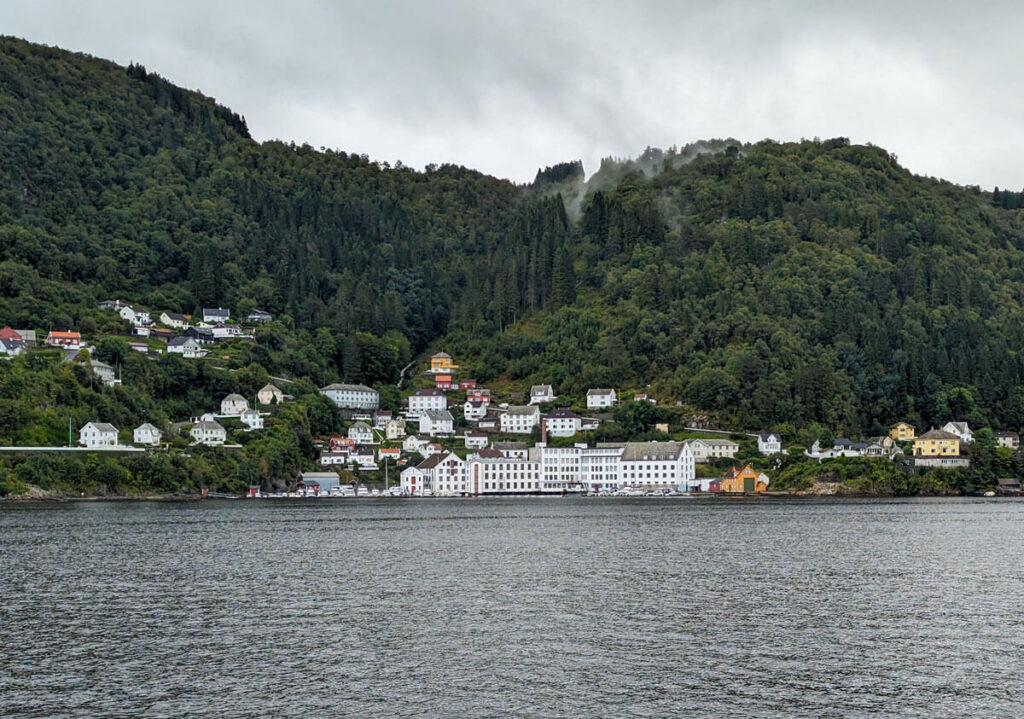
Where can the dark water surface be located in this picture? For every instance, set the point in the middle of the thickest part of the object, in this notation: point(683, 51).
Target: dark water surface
point(513, 607)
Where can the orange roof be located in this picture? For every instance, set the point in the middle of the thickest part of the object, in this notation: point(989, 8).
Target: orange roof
point(56, 334)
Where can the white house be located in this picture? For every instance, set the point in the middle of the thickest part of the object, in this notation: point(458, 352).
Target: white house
point(364, 459)
point(233, 405)
point(11, 346)
point(424, 400)
point(269, 394)
point(147, 434)
point(105, 373)
point(251, 419)
point(175, 320)
point(597, 398)
point(208, 432)
point(361, 433)
point(541, 393)
point(394, 429)
point(520, 419)
point(215, 315)
point(491, 472)
point(769, 443)
point(260, 317)
point(706, 450)
point(961, 430)
point(381, 417)
point(1010, 440)
point(476, 440)
point(436, 422)
point(443, 473)
point(186, 347)
point(415, 443)
point(137, 316)
point(562, 423)
point(98, 434)
point(352, 396)
point(474, 411)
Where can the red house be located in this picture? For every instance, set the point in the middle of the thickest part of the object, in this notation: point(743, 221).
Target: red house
point(64, 339)
point(443, 381)
point(340, 444)
point(467, 383)
point(478, 395)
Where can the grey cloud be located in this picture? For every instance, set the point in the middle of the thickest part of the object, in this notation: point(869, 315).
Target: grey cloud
point(509, 87)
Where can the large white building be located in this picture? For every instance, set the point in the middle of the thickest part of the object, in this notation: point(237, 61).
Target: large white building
point(520, 420)
point(361, 433)
point(556, 470)
point(352, 396)
point(425, 400)
point(98, 434)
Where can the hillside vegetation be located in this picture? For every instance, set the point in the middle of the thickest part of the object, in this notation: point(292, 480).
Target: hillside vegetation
point(811, 284)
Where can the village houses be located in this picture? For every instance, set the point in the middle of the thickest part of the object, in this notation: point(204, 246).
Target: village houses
point(961, 430)
point(69, 340)
point(252, 419)
point(187, 347)
point(902, 432)
point(233, 405)
point(562, 423)
point(215, 315)
point(709, 450)
point(1010, 440)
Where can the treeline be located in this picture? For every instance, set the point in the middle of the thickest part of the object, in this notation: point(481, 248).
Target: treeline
point(768, 284)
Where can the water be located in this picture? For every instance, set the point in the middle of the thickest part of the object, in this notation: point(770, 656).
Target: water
point(512, 607)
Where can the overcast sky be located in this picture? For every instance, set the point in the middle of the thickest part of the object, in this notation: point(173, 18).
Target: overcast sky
point(507, 87)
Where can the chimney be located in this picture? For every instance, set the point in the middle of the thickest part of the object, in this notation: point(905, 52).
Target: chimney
point(543, 431)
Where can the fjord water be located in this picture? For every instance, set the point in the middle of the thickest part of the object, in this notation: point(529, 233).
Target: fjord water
point(512, 607)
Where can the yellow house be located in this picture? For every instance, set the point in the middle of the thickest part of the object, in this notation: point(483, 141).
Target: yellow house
point(936, 443)
point(442, 362)
point(902, 432)
point(743, 480)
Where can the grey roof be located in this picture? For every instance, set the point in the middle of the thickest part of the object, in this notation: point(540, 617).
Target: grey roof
point(216, 312)
point(719, 443)
point(147, 426)
point(441, 355)
point(234, 398)
point(1009, 482)
point(523, 409)
point(439, 415)
point(766, 436)
point(176, 317)
point(960, 427)
point(103, 426)
point(428, 393)
point(180, 341)
point(209, 425)
point(509, 445)
point(1004, 433)
point(599, 392)
point(271, 387)
point(361, 426)
point(347, 388)
point(937, 434)
point(541, 389)
point(637, 451)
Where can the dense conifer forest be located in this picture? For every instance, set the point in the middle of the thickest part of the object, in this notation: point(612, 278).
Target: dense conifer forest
point(801, 286)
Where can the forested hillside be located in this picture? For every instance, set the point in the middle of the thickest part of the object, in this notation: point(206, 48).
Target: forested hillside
point(768, 285)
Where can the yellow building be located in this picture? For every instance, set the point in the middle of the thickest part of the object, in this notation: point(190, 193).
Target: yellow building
point(442, 362)
point(902, 432)
point(743, 480)
point(936, 443)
